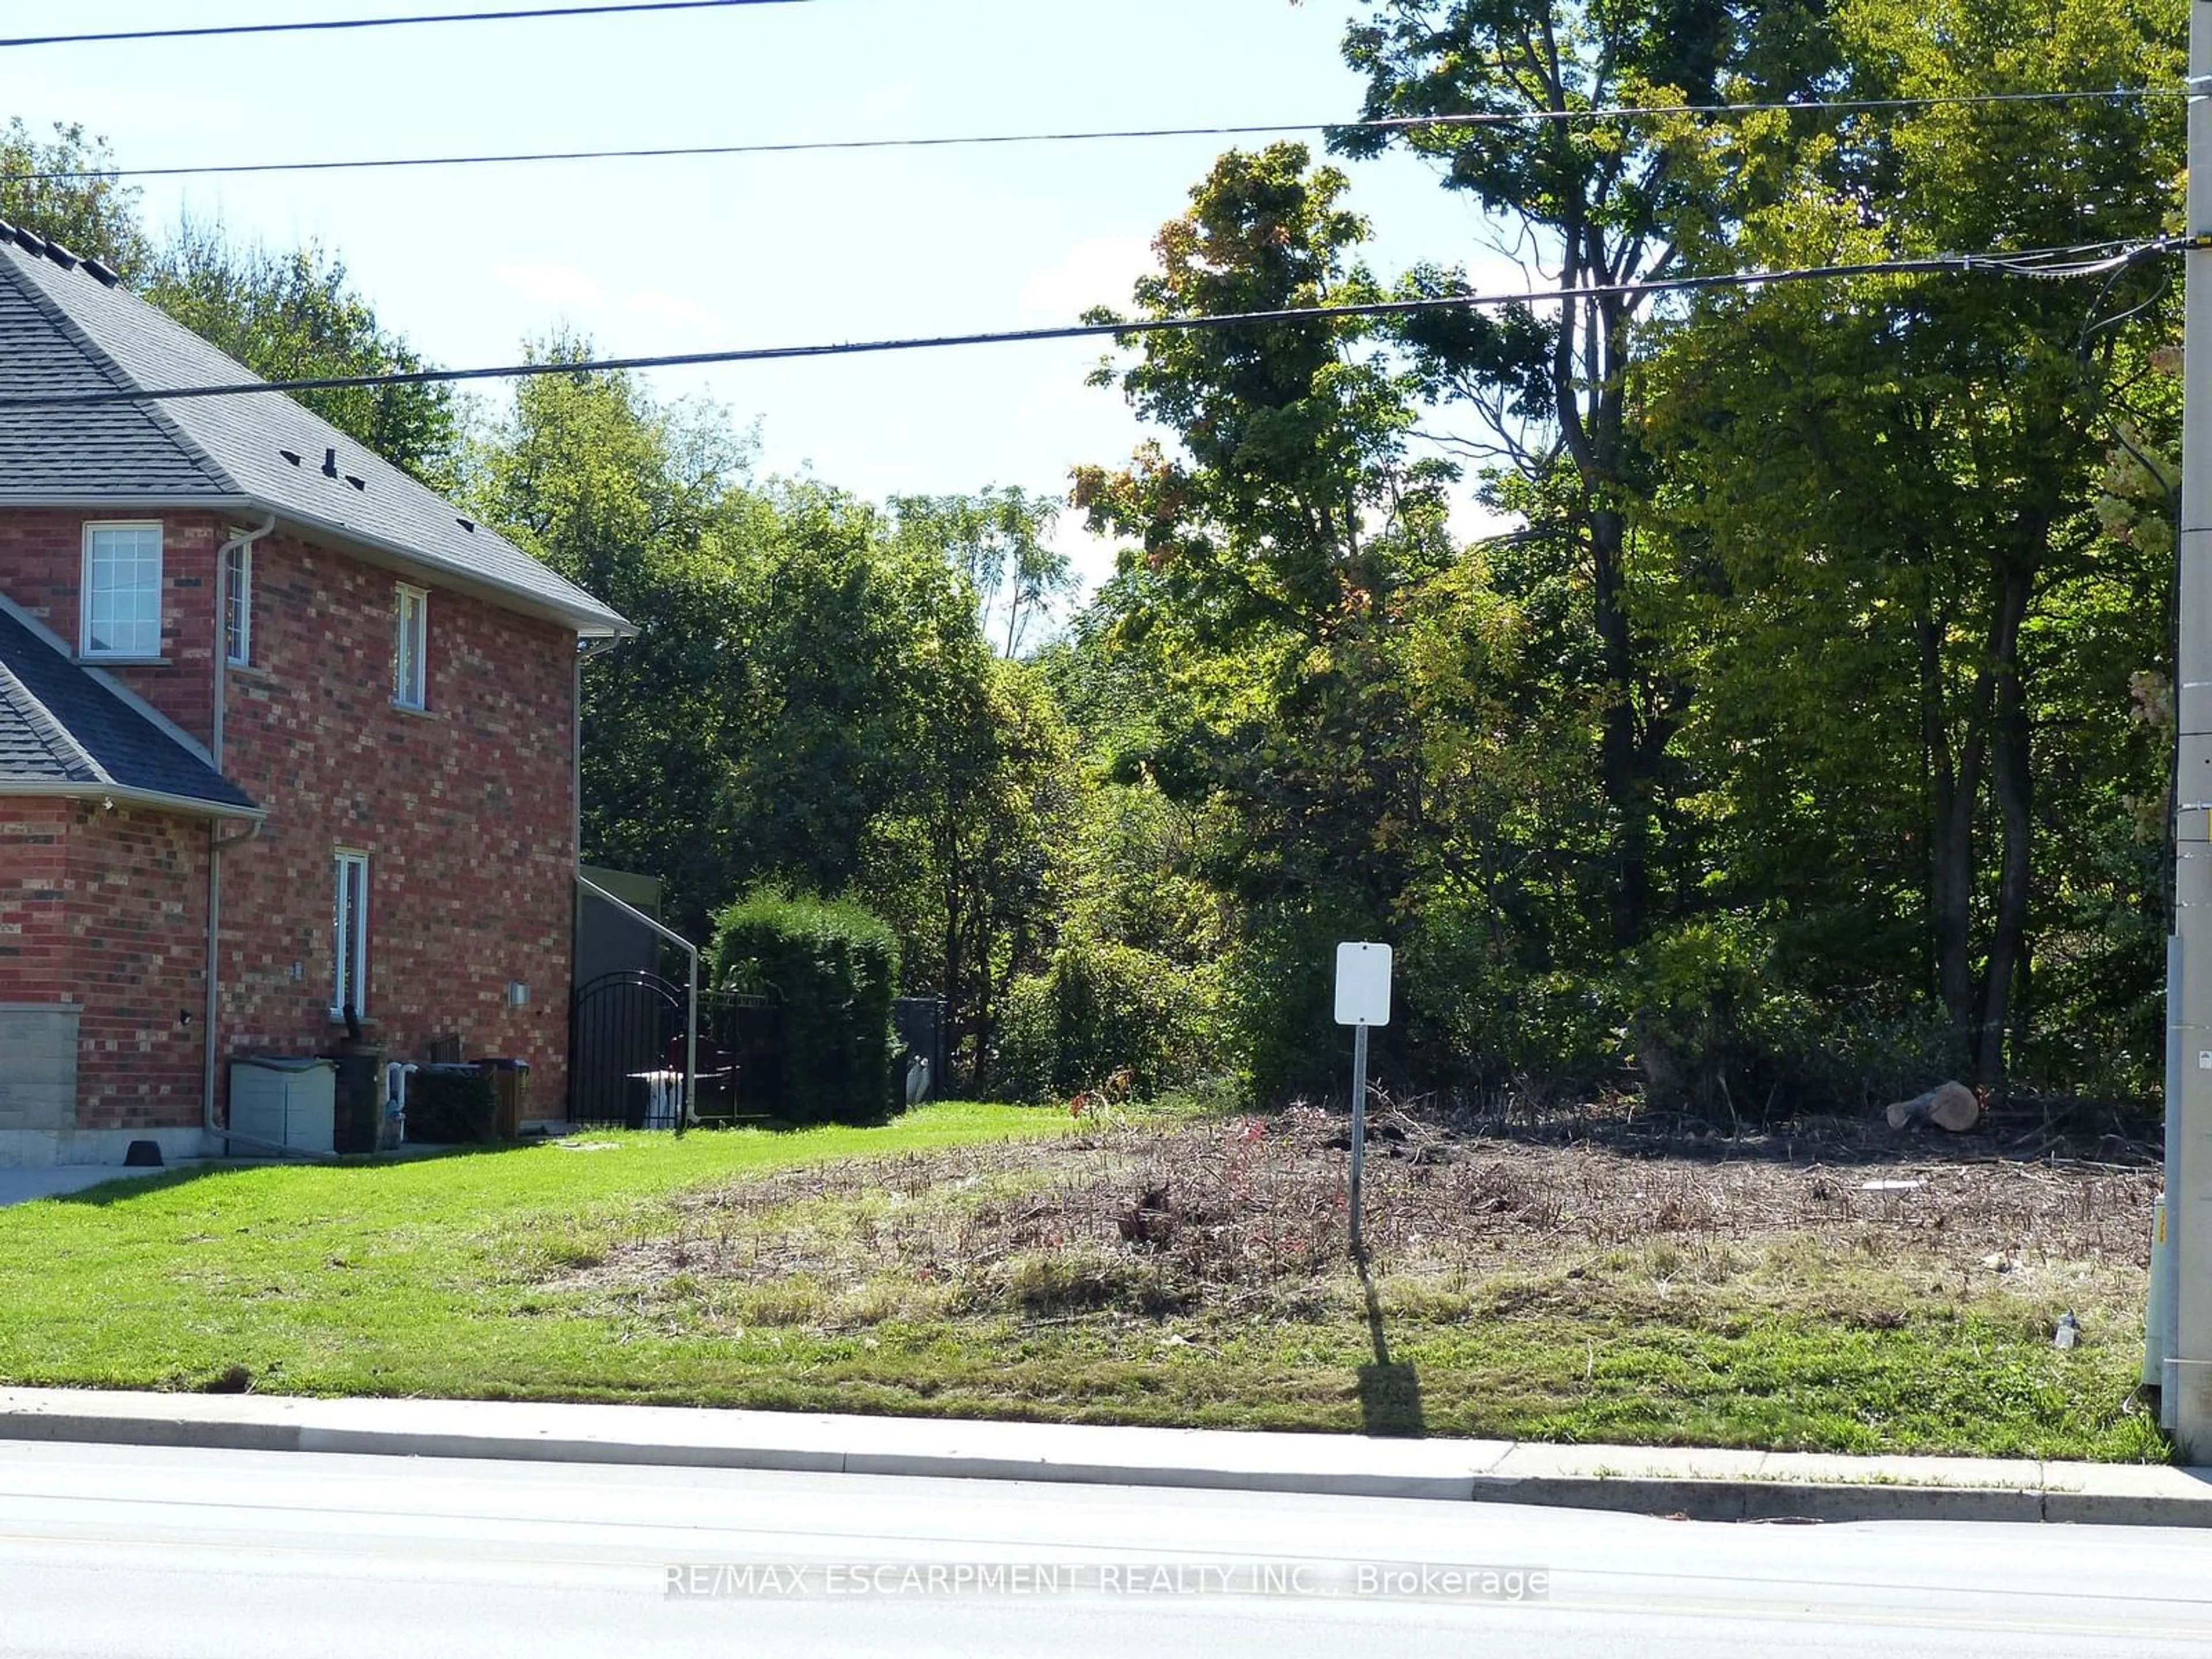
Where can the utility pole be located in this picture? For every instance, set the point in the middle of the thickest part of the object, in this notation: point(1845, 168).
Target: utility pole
point(2185, 1390)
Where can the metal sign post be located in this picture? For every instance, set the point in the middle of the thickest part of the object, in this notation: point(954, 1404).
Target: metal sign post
point(1362, 999)
point(2185, 1398)
point(1359, 1128)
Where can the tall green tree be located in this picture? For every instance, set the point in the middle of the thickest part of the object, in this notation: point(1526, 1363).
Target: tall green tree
point(812, 702)
point(1496, 93)
point(1892, 505)
point(875, 745)
point(971, 866)
point(642, 505)
point(1001, 541)
point(1276, 541)
point(1276, 545)
point(851, 638)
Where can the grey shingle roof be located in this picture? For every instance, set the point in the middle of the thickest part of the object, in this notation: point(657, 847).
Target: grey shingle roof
point(63, 330)
point(63, 726)
point(122, 449)
point(34, 747)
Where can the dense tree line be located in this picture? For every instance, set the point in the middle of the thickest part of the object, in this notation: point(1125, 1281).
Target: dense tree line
point(1803, 735)
point(1807, 733)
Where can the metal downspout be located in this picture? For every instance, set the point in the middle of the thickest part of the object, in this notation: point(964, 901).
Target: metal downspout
point(218, 843)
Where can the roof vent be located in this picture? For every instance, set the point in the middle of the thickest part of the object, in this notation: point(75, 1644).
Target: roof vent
point(330, 463)
point(291, 455)
point(30, 240)
point(102, 272)
point(7, 231)
point(469, 524)
point(358, 483)
point(61, 257)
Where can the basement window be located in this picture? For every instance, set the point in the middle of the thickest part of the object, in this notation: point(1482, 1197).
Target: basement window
point(122, 589)
point(410, 648)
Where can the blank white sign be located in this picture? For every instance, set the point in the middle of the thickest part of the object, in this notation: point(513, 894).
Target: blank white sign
point(1362, 984)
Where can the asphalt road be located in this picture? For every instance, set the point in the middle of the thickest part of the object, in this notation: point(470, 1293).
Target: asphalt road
point(108, 1551)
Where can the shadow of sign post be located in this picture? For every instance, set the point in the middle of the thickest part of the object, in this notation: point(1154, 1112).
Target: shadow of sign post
point(1390, 1393)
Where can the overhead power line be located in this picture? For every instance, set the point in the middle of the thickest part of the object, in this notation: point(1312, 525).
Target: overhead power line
point(327, 25)
point(2079, 260)
point(1277, 128)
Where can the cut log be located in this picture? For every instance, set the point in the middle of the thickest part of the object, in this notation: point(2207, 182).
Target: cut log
point(1950, 1106)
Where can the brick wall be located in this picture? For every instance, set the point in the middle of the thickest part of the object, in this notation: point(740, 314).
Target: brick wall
point(109, 911)
point(463, 810)
point(35, 951)
point(137, 923)
point(42, 569)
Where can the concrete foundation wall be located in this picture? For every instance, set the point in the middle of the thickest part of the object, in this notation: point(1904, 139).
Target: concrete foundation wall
point(37, 1065)
point(42, 1149)
point(38, 1081)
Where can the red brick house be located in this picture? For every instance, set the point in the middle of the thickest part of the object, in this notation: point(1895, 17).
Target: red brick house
point(281, 732)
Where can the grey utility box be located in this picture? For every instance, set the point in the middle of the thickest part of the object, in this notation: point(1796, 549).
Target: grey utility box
point(286, 1102)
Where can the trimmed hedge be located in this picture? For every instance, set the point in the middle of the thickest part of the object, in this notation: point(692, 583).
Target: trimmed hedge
point(833, 968)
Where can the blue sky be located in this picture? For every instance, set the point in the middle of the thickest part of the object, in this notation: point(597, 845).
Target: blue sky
point(690, 255)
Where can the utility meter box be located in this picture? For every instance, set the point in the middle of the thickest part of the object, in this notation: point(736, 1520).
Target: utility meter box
point(286, 1102)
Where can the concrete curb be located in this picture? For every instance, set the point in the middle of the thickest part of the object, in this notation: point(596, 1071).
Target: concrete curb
point(1700, 1485)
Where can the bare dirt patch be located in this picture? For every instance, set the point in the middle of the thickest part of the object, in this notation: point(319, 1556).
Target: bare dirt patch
point(1603, 1280)
point(1152, 1218)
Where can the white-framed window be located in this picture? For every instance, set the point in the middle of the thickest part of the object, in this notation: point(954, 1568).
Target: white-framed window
point(349, 935)
point(411, 647)
point(121, 604)
point(238, 605)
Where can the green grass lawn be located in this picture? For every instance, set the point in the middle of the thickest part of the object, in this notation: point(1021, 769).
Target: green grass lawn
point(949, 1272)
point(405, 1277)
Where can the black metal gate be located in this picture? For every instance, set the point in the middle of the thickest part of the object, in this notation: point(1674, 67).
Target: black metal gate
point(625, 1031)
point(627, 1047)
